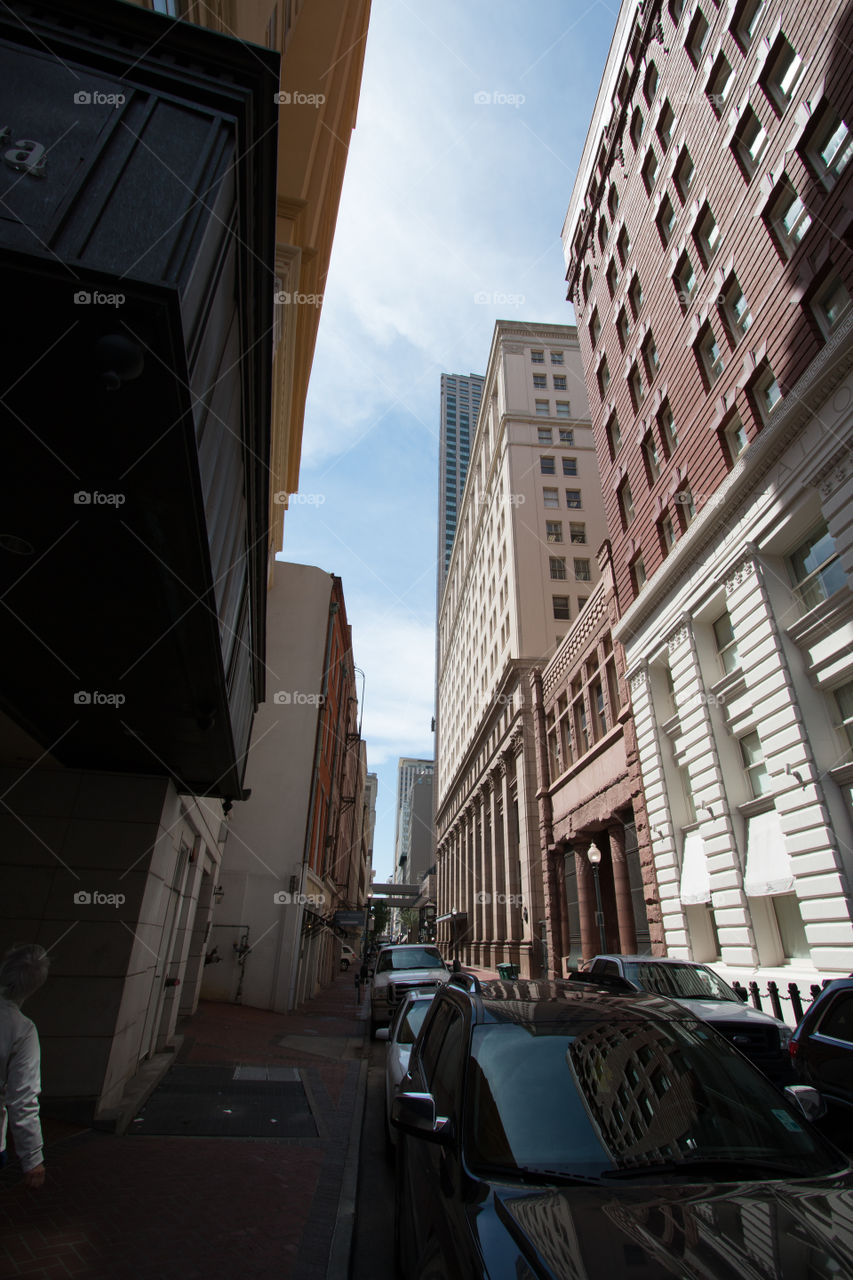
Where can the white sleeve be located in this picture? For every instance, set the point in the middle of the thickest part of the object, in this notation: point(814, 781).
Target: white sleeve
point(23, 1085)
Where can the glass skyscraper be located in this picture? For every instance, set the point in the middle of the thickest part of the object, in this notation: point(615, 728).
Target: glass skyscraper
point(460, 403)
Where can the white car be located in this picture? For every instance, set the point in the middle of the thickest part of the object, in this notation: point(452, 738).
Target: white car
point(401, 1036)
point(348, 957)
point(410, 967)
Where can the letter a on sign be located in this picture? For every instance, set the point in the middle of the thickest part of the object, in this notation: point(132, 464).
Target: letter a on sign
point(26, 157)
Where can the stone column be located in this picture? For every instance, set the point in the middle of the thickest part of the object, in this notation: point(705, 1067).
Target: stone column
point(622, 890)
point(590, 940)
point(513, 883)
point(499, 901)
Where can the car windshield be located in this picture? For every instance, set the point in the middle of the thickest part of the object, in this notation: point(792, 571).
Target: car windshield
point(409, 958)
point(624, 1096)
point(412, 1021)
point(680, 981)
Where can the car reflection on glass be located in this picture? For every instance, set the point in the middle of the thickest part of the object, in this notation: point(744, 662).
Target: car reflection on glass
point(565, 1130)
point(400, 1037)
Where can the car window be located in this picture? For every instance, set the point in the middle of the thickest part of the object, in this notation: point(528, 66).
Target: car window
point(838, 1019)
point(412, 1022)
point(410, 958)
point(681, 981)
point(432, 1039)
point(445, 1079)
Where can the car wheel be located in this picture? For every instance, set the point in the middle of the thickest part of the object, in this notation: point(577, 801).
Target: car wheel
point(344, 965)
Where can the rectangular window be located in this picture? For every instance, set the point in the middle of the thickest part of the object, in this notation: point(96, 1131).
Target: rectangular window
point(638, 574)
point(559, 382)
point(561, 607)
point(736, 437)
point(844, 704)
point(539, 381)
point(554, 530)
point(666, 530)
point(557, 566)
point(815, 568)
point(551, 497)
point(650, 453)
point(668, 431)
point(697, 38)
point(684, 175)
point(719, 84)
point(649, 170)
point(614, 435)
point(566, 436)
point(830, 148)
point(548, 466)
point(724, 638)
point(626, 503)
point(577, 532)
point(564, 410)
point(594, 327)
point(830, 305)
point(767, 393)
point(665, 221)
point(544, 435)
point(684, 280)
point(556, 357)
point(582, 573)
point(542, 408)
point(635, 386)
point(782, 71)
point(623, 326)
point(710, 356)
point(537, 357)
point(603, 377)
point(650, 357)
point(745, 24)
point(635, 296)
point(623, 246)
point(573, 497)
point(753, 763)
point(570, 466)
point(789, 219)
point(707, 235)
point(666, 120)
point(737, 316)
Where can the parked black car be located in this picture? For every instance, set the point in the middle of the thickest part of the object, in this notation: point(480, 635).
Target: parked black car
point(822, 1052)
point(557, 1130)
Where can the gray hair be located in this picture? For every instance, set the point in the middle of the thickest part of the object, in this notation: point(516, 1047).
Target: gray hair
point(22, 971)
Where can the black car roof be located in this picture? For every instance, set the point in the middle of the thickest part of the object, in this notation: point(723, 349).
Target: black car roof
point(538, 1000)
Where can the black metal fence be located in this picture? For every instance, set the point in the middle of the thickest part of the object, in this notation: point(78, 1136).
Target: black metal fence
point(775, 996)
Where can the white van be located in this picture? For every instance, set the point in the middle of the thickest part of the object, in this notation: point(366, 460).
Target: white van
point(348, 956)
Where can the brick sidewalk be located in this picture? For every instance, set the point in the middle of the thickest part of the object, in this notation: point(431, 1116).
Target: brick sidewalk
point(199, 1208)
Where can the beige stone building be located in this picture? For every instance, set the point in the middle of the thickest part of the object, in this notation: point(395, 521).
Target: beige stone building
point(523, 565)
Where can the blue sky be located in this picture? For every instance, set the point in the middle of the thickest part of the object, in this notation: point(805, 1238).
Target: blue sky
point(471, 123)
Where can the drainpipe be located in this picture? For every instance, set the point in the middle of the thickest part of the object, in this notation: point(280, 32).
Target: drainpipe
point(315, 775)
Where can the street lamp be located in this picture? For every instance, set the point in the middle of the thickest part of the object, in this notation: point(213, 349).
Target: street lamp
point(593, 854)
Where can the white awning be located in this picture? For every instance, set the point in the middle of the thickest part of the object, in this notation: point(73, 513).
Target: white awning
point(768, 867)
point(695, 879)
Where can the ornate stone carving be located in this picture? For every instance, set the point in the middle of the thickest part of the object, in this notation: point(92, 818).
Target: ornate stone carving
point(679, 635)
point(740, 573)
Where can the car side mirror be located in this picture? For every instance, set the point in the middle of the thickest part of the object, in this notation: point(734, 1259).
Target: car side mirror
point(807, 1099)
point(383, 1033)
point(414, 1113)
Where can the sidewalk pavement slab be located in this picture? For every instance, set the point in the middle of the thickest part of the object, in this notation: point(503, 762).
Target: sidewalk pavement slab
point(134, 1206)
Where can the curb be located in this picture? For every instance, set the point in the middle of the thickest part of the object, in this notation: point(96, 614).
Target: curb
point(341, 1246)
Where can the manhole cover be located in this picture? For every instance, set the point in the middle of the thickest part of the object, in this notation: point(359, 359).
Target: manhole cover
point(228, 1102)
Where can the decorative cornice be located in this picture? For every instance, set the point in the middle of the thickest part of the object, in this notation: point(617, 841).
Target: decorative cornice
point(679, 634)
point(742, 571)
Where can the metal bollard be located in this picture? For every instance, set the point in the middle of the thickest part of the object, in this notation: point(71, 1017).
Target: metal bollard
point(796, 1002)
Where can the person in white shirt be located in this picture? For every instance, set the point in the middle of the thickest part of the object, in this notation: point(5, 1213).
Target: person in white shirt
point(22, 971)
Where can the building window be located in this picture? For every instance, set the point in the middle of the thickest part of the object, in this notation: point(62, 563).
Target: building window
point(650, 83)
point(636, 127)
point(561, 607)
point(635, 386)
point(844, 703)
point(684, 175)
point(753, 763)
point(586, 290)
point(566, 437)
point(724, 638)
point(766, 392)
point(650, 456)
point(709, 356)
point(594, 327)
point(544, 435)
point(649, 170)
point(719, 84)
point(626, 503)
point(685, 282)
point(697, 38)
point(623, 326)
point(829, 147)
point(781, 73)
point(746, 21)
point(638, 574)
point(582, 573)
point(735, 311)
point(623, 246)
point(579, 717)
point(789, 219)
point(559, 382)
point(557, 566)
point(612, 278)
point(815, 568)
point(538, 357)
point(551, 497)
point(573, 497)
point(706, 235)
point(676, 8)
point(542, 408)
point(668, 431)
point(614, 435)
point(548, 466)
point(666, 533)
point(830, 305)
point(603, 378)
point(612, 200)
point(554, 530)
point(577, 532)
point(650, 357)
point(602, 233)
point(665, 221)
point(556, 357)
point(570, 466)
point(635, 296)
point(666, 120)
point(736, 437)
point(539, 381)
point(748, 142)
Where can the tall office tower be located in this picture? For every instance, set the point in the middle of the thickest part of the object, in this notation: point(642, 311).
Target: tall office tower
point(414, 840)
point(522, 566)
point(460, 404)
point(708, 243)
